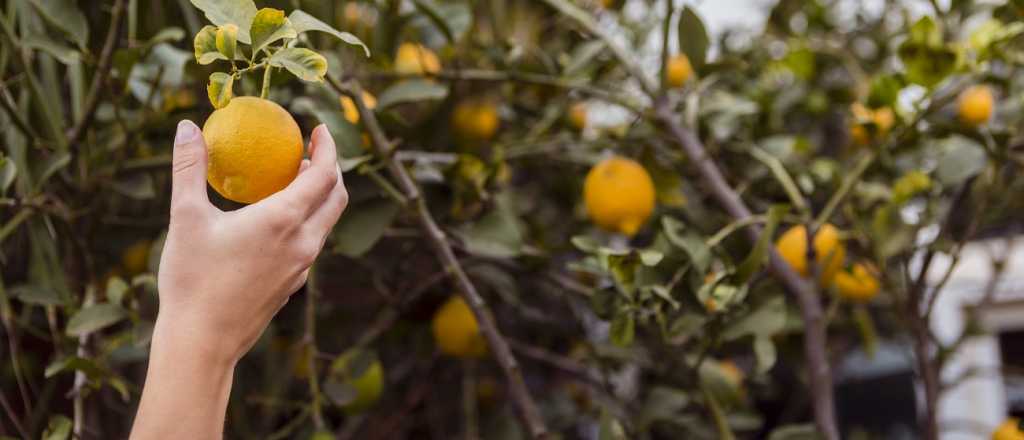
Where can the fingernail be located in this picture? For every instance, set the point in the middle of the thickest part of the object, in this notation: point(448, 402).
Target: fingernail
point(187, 131)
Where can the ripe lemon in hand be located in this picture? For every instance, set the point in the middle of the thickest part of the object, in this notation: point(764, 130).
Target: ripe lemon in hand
point(475, 121)
point(619, 195)
point(974, 105)
point(1009, 430)
point(255, 148)
point(348, 106)
point(828, 251)
point(859, 284)
point(456, 331)
point(677, 70)
point(368, 384)
point(882, 118)
point(415, 59)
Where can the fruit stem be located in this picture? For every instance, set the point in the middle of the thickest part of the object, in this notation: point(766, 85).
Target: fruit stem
point(266, 82)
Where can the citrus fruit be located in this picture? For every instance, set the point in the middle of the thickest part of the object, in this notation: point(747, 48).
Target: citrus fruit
point(1009, 430)
point(456, 332)
point(368, 383)
point(732, 372)
point(255, 149)
point(135, 258)
point(475, 121)
point(859, 284)
point(619, 195)
point(828, 250)
point(677, 70)
point(578, 116)
point(882, 120)
point(415, 59)
point(974, 106)
point(348, 106)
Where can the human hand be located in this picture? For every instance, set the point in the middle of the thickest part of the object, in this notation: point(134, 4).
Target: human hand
point(224, 275)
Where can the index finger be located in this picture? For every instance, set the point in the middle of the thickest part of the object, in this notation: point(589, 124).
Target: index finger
point(311, 187)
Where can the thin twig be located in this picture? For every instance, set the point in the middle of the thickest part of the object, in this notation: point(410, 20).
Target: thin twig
point(92, 100)
point(6, 315)
point(309, 339)
point(527, 409)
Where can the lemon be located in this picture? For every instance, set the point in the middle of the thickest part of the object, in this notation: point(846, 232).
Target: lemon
point(619, 195)
point(1009, 430)
point(677, 70)
point(368, 385)
point(732, 372)
point(975, 105)
point(578, 116)
point(415, 59)
point(882, 119)
point(348, 106)
point(859, 284)
point(255, 149)
point(456, 332)
point(828, 251)
point(135, 258)
point(475, 121)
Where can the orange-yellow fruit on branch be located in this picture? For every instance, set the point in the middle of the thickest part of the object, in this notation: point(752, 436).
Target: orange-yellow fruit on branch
point(859, 284)
point(456, 331)
point(415, 59)
point(135, 258)
point(348, 106)
point(1009, 430)
point(255, 148)
point(619, 195)
point(578, 116)
point(475, 121)
point(677, 70)
point(882, 119)
point(829, 252)
point(974, 106)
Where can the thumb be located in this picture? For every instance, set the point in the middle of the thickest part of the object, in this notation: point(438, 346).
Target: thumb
point(188, 176)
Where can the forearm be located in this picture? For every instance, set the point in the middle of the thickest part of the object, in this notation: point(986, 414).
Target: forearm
point(188, 384)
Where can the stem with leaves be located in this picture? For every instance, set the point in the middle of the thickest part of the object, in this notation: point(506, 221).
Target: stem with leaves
point(102, 72)
point(527, 409)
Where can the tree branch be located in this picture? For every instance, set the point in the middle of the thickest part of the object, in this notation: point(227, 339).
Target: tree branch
point(92, 100)
point(527, 409)
point(820, 376)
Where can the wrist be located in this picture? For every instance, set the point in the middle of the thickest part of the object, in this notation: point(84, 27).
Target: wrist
point(187, 340)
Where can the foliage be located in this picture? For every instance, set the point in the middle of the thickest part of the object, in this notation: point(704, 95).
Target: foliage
point(637, 337)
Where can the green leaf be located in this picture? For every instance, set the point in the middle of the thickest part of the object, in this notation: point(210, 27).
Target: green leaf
point(693, 37)
point(75, 363)
point(95, 317)
point(59, 428)
point(219, 89)
point(226, 40)
point(961, 158)
point(759, 254)
point(925, 32)
point(303, 22)
point(766, 320)
point(36, 294)
point(691, 243)
point(138, 186)
point(237, 12)
point(65, 15)
point(611, 428)
point(301, 62)
point(453, 19)
point(413, 90)
point(663, 403)
point(623, 328)
point(66, 55)
point(205, 46)
point(496, 234)
point(116, 289)
point(764, 353)
point(340, 393)
point(884, 91)
point(51, 165)
point(268, 26)
point(8, 171)
point(363, 225)
point(795, 432)
point(927, 66)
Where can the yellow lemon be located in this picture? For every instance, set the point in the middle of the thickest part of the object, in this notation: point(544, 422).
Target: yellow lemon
point(1009, 430)
point(882, 119)
point(619, 195)
point(475, 121)
point(828, 250)
point(677, 71)
point(578, 116)
point(456, 332)
point(859, 284)
point(368, 384)
point(975, 105)
point(348, 106)
point(415, 59)
point(255, 149)
point(135, 258)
